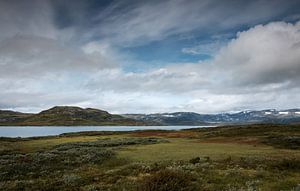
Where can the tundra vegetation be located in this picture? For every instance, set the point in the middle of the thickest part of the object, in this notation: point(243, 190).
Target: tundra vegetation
point(254, 157)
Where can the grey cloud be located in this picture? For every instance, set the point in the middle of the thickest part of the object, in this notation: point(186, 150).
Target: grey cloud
point(34, 102)
point(31, 17)
point(28, 56)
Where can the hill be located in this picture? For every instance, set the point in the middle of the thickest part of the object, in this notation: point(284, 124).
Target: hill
point(66, 116)
point(7, 116)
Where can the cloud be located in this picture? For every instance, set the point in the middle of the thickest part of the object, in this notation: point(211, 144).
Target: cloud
point(262, 58)
point(32, 17)
point(254, 70)
point(46, 61)
point(264, 54)
point(257, 69)
point(210, 48)
point(143, 22)
point(27, 56)
point(170, 80)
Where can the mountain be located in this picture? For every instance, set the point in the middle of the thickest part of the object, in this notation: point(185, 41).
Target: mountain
point(7, 116)
point(178, 118)
point(76, 116)
point(244, 117)
point(66, 116)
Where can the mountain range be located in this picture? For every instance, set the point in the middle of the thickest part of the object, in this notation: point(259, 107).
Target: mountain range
point(76, 116)
point(243, 117)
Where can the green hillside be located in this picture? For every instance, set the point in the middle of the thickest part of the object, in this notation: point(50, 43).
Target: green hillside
point(66, 116)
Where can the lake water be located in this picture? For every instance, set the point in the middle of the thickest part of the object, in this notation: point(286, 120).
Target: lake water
point(32, 131)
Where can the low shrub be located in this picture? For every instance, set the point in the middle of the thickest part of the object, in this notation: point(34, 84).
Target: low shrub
point(286, 142)
point(195, 160)
point(110, 143)
point(167, 180)
point(288, 164)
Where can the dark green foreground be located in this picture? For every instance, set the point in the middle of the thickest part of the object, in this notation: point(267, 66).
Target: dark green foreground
point(256, 157)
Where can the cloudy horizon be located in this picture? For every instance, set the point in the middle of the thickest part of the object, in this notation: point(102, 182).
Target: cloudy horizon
point(132, 56)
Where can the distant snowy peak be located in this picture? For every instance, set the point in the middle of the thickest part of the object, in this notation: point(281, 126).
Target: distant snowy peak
point(168, 115)
point(247, 116)
point(282, 112)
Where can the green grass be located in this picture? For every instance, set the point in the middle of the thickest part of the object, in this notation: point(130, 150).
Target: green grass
point(46, 143)
point(185, 149)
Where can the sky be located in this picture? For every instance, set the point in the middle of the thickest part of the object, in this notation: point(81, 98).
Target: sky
point(135, 56)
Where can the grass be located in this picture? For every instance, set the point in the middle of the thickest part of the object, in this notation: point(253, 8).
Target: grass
point(257, 157)
point(184, 149)
point(33, 145)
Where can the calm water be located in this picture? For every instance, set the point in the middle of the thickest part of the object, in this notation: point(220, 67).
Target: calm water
point(31, 131)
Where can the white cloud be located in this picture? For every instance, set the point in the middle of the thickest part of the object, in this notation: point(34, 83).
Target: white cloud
point(264, 54)
point(210, 48)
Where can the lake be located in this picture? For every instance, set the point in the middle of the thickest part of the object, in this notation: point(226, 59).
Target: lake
point(32, 131)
